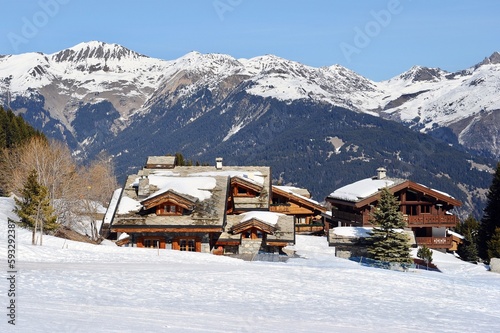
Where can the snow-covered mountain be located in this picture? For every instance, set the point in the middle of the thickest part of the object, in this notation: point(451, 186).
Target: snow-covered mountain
point(57, 90)
point(54, 88)
point(264, 110)
point(113, 84)
point(466, 102)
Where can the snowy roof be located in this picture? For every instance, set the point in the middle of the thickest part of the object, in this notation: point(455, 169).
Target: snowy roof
point(294, 190)
point(351, 231)
point(160, 160)
point(440, 192)
point(205, 186)
point(266, 217)
point(298, 193)
point(283, 224)
point(363, 188)
point(456, 234)
point(362, 232)
point(112, 206)
point(253, 176)
point(128, 205)
point(198, 187)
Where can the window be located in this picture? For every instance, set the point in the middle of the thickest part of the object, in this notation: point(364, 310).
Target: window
point(252, 233)
point(425, 209)
point(187, 245)
point(152, 243)
point(411, 210)
point(169, 209)
point(300, 220)
point(243, 192)
point(279, 201)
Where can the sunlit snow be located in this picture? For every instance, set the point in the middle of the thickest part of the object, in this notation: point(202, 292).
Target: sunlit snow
point(65, 286)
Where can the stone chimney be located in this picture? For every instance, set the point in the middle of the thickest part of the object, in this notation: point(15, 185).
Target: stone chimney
point(381, 173)
point(218, 163)
point(143, 190)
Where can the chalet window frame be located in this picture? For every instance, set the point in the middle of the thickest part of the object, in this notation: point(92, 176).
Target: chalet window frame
point(253, 233)
point(425, 209)
point(169, 209)
point(152, 243)
point(187, 244)
point(195, 246)
point(240, 191)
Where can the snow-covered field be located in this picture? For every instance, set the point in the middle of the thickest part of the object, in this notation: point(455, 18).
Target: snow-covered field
point(67, 286)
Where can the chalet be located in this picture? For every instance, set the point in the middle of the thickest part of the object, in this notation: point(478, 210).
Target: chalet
point(198, 208)
point(257, 231)
point(297, 202)
point(426, 211)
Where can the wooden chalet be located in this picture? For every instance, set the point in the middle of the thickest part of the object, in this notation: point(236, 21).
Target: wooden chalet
point(297, 202)
point(189, 208)
point(257, 231)
point(426, 211)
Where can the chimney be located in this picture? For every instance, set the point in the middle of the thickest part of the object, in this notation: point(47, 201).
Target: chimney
point(381, 173)
point(218, 163)
point(143, 190)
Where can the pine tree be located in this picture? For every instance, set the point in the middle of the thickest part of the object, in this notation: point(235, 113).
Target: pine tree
point(179, 159)
point(425, 254)
point(34, 208)
point(467, 250)
point(386, 243)
point(494, 245)
point(491, 216)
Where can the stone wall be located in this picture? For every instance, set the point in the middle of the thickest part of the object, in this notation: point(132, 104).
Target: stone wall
point(346, 247)
point(250, 246)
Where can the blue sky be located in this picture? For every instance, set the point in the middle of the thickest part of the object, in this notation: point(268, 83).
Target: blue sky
point(377, 39)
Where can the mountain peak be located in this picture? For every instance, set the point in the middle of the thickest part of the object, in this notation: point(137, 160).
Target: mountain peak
point(97, 50)
point(491, 60)
point(419, 74)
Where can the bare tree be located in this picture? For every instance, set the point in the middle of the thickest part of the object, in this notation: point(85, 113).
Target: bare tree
point(74, 191)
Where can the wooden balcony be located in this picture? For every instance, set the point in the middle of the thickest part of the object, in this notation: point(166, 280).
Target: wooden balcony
point(308, 228)
point(429, 220)
point(435, 242)
point(347, 217)
point(280, 208)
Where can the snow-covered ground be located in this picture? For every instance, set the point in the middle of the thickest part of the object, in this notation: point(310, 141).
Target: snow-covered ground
point(66, 286)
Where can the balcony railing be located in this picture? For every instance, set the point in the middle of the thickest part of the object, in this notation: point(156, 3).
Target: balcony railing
point(347, 216)
point(308, 228)
point(279, 208)
point(414, 220)
point(435, 242)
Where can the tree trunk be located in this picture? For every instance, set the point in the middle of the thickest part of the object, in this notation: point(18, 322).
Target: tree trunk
point(34, 240)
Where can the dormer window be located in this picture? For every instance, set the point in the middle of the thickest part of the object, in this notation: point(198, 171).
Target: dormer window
point(169, 209)
point(244, 192)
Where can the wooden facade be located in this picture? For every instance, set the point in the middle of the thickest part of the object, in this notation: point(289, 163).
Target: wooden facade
point(307, 213)
point(426, 211)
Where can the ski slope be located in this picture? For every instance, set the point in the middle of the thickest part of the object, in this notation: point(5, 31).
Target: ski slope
point(66, 286)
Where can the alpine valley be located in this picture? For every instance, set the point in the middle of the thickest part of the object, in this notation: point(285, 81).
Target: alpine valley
point(318, 128)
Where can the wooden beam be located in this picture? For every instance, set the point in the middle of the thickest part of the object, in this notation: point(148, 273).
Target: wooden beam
point(164, 229)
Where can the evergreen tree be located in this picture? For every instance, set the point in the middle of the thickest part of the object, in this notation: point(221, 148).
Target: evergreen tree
point(386, 243)
point(14, 130)
point(467, 250)
point(491, 216)
point(179, 159)
point(425, 254)
point(494, 245)
point(34, 208)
